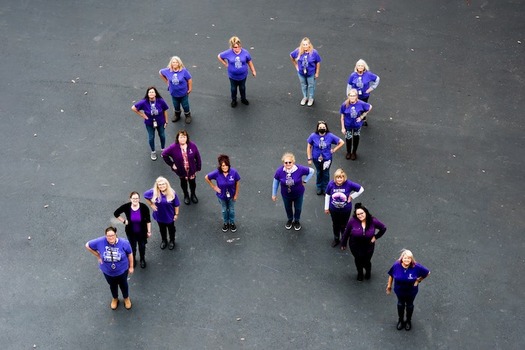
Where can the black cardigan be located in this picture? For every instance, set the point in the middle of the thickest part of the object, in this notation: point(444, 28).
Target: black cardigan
point(144, 218)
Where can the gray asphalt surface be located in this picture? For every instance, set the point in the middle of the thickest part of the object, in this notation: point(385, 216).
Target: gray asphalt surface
point(442, 166)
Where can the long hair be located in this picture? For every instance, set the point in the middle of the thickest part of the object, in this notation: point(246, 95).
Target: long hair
point(363, 62)
point(178, 60)
point(347, 101)
point(157, 95)
point(369, 217)
point(301, 49)
point(319, 123)
point(223, 158)
point(157, 195)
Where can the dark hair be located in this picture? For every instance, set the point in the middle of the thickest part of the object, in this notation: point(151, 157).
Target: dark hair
point(134, 192)
point(157, 95)
point(223, 158)
point(368, 219)
point(182, 132)
point(110, 228)
point(319, 123)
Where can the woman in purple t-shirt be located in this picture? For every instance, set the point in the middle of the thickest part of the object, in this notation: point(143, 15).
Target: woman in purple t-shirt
point(364, 81)
point(406, 274)
point(353, 111)
point(180, 85)
point(227, 190)
point(237, 60)
point(307, 63)
point(165, 204)
point(290, 177)
point(154, 110)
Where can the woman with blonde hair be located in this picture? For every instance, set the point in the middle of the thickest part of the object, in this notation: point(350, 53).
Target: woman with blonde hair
point(406, 274)
point(307, 63)
point(364, 81)
point(237, 60)
point(165, 204)
point(180, 85)
point(353, 111)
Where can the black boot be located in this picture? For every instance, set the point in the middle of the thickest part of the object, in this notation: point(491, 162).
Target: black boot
point(401, 315)
point(368, 271)
point(408, 323)
point(176, 116)
point(142, 262)
point(355, 144)
point(194, 198)
point(187, 117)
point(360, 274)
point(348, 148)
point(187, 199)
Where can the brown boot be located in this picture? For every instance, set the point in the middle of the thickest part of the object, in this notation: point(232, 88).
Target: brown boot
point(114, 303)
point(187, 117)
point(176, 116)
point(127, 303)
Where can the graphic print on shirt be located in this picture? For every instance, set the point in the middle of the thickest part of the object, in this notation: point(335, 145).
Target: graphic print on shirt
point(289, 182)
point(353, 113)
point(111, 254)
point(154, 110)
point(339, 198)
point(238, 63)
point(175, 79)
point(322, 143)
point(359, 83)
point(304, 63)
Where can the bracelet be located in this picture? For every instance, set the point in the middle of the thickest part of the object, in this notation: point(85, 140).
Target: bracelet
point(309, 158)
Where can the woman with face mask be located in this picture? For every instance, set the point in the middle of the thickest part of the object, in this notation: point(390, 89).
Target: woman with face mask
point(319, 151)
point(353, 111)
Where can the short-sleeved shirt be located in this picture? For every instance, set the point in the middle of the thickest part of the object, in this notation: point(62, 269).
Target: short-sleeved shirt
point(404, 278)
point(112, 255)
point(292, 183)
point(361, 82)
point(339, 195)
point(165, 209)
point(322, 145)
point(178, 81)
point(226, 183)
point(307, 63)
point(352, 112)
point(237, 63)
point(153, 110)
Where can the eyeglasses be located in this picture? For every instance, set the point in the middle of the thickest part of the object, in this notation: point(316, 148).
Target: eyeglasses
point(359, 214)
point(288, 162)
point(352, 95)
point(135, 198)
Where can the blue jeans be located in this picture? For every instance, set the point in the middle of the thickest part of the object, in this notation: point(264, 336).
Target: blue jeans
point(228, 210)
point(178, 101)
point(323, 176)
point(118, 281)
point(151, 136)
point(293, 207)
point(307, 85)
point(241, 84)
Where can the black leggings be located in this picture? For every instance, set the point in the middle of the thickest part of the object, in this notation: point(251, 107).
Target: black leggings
point(165, 228)
point(339, 221)
point(133, 240)
point(184, 185)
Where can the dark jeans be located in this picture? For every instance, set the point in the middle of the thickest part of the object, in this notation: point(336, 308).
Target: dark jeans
point(293, 207)
point(165, 228)
point(151, 136)
point(323, 176)
point(184, 185)
point(241, 84)
point(339, 221)
point(118, 281)
point(406, 301)
point(141, 242)
point(178, 101)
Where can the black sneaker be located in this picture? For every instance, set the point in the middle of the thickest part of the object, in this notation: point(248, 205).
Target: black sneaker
point(171, 245)
point(245, 102)
point(225, 227)
point(163, 245)
point(234, 103)
point(297, 226)
point(233, 228)
point(288, 225)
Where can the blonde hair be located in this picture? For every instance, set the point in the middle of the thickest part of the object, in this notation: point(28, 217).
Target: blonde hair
point(347, 101)
point(301, 49)
point(340, 172)
point(363, 62)
point(176, 59)
point(157, 195)
point(288, 155)
point(234, 40)
point(406, 252)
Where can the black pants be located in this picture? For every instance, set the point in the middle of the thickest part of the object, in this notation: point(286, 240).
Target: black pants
point(405, 301)
point(184, 185)
point(165, 228)
point(353, 143)
point(339, 221)
point(363, 262)
point(118, 281)
point(141, 242)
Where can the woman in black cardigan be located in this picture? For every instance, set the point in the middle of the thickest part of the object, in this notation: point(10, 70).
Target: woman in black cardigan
point(138, 224)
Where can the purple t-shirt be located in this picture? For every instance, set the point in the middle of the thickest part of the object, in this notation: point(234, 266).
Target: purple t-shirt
point(404, 278)
point(292, 183)
point(237, 64)
point(339, 195)
point(361, 82)
point(135, 220)
point(352, 112)
point(225, 183)
point(321, 145)
point(359, 239)
point(307, 63)
point(153, 110)
point(112, 255)
point(178, 81)
point(165, 210)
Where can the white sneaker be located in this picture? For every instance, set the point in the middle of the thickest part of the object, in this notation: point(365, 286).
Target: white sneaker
point(310, 102)
point(303, 101)
point(154, 155)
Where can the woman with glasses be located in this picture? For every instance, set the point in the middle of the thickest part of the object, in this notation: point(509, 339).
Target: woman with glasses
point(138, 225)
point(364, 81)
point(319, 151)
point(353, 111)
point(154, 110)
point(115, 260)
point(237, 60)
point(307, 63)
point(165, 204)
point(290, 177)
point(338, 202)
point(361, 233)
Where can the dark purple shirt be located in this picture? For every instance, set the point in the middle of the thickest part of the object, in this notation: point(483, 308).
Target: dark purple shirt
point(359, 239)
point(404, 279)
point(165, 212)
point(173, 155)
point(339, 195)
point(153, 110)
point(226, 183)
point(292, 184)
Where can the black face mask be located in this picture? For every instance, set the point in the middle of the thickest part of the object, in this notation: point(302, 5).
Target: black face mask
point(322, 131)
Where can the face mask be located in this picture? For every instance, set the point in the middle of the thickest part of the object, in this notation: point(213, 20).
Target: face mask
point(322, 131)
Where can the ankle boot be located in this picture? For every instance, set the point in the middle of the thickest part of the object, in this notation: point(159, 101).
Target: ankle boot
point(194, 198)
point(127, 303)
point(114, 303)
point(359, 274)
point(401, 315)
point(187, 117)
point(176, 116)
